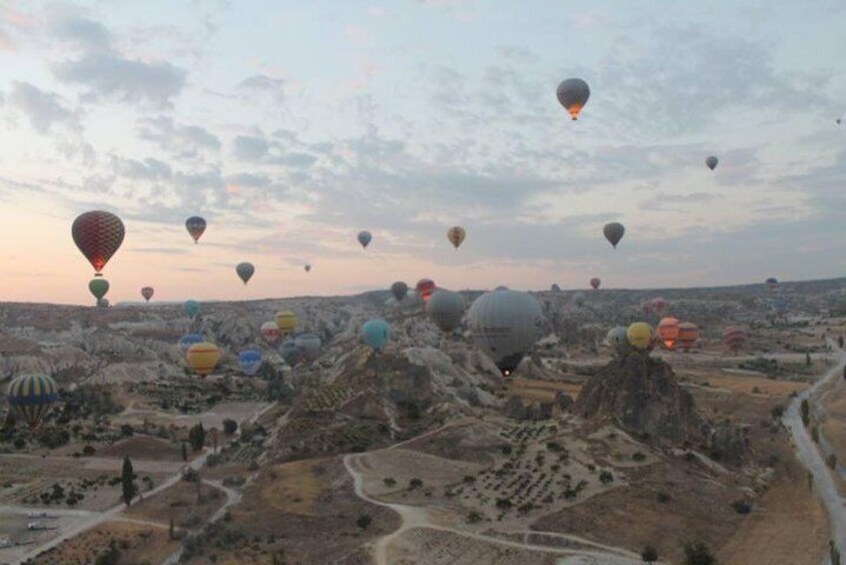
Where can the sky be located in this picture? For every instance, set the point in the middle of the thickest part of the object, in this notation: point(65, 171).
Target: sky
point(291, 126)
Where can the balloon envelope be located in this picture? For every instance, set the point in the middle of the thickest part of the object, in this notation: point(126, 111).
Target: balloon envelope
point(188, 340)
point(196, 226)
point(309, 346)
point(668, 332)
point(688, 335)
point(595, 282)
point(573, 94)
point(249, 361)
point(245, 271)
point(191, 307)
point(31, 397)
point(446, 308)
point(614, 232)
point(425, 288)
point(203, 357)
point(98, 287)
point(505, 324)
point(147, 292)
point(640, 335)
point(307, 268)
point(98, 235)
point(711, 162)
point(399, 289)
point(270, 332)
point(290, 352)
point(375, 333)
point(286, 321)
point(364, 238)
point(617, 338)
point(456, 235)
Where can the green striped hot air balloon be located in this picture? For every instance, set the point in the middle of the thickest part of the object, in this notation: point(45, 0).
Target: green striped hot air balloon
point(31, 397)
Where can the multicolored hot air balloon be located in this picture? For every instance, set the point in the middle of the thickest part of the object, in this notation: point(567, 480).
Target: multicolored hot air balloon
point(640, 336)
point(249, 361)
point(573, 94)
point(245, 271)
point(270, 332)
point(735, 338)
point(98, 287)
point(456, 235)
point(614, 232)
point(191, 308)
point(375, 333)
point(31, 397)
point(147, 292)
point(505, 324)
point(425, 288)
point(309, 346)
point(195, 226)
point(711, 162)
point(364, 238)
point(668, 332)
point(188, 340)
point(290, 352)
point(286, 321)
point(688, 335)
point(595, 282)
point(399, 289)
point(98, 235)
point(445, 308)
point(203, 358)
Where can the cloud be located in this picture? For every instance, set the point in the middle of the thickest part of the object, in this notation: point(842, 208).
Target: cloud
point(43, 109)
point(84, 33)
point(148, 170)
point(250, 148)
point(181, 141)
point(111, 75)
point(264, 85)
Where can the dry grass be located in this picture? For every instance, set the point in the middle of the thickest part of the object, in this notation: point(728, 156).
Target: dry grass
point(293, 488)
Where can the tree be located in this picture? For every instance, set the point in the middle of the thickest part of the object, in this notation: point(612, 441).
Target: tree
point(230, 426)
point(606, 477)
point(110, 557)
point(777, 412)
point(806, 412)
point(214, 439)
point(697, 553)
point(807, 359)
point(171, 532)
point(649, 554)
point(197, 437)
point(831, 461)
point(363, 521)
point(184, 452)
point(127, 479)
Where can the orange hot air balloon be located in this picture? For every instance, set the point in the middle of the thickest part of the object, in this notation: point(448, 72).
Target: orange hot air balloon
point(668, 332)
point(425, 288)
point(203, 357)
point(456, 235)
point(688, 335)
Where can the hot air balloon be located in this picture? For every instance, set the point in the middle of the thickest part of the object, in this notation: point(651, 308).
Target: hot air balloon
point(688, 335)
point(425, 288)
point(98, 235)
point(555, 288)
point(399, 289)
point(98, 287)
point(249, 361)
point(245, 271)
point(614, 232)
point(595, 282)
point(147, 292)
point(270, 332)
point(290, 352)
point(617, 338)
point(668, 332)
point(203, 357)
point(31, 397)
point(446, 309)
point(640, 335)
point(772, 283)
point(578, 299)
point(309, 346)
point(103, 303)
point(375, 333)
point(838, 121)
point(286, 321)
point(505, 324)
point(658, 305)
point(735, 338)
point(307, 268)
point(711, 162)
point(195, 226)
point(191, 308)
point(573, 94)
point(456, 235)
point(364, 238)
point(188, 340)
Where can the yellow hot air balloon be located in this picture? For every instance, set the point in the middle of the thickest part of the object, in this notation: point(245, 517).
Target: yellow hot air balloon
point(456, 235)
point(203, 357)
point(286, 321)
point(640, 335)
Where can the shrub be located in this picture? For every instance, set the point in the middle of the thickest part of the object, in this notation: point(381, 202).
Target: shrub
point(741, 507)
point(230, 426)
point(639, 457)
point(606, 477)
point(415, 483)
point(697, 553)
point(649, 554)
point(363, 521)
point(389, 481)
point(663, 497)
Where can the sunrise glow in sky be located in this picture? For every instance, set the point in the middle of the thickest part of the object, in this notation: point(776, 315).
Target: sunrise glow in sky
point(290, 126)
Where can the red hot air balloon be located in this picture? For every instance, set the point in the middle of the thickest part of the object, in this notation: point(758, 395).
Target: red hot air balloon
point(688, 335)
point(147, 292)
point(195, 226)
point(98, 235)
point(425, 288)
point(595, 282)
point(668, 332)
point(735, 338)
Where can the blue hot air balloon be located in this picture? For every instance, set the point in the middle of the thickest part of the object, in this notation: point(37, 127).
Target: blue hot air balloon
point(31, 397)
point(249, 361)
point(188, 340)
point(191, 307)
point(375, 333)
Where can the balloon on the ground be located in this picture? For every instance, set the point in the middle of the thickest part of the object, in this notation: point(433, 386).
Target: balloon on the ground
point(196, 226)
point(191, 308)
point(98, 287)
point(711, 162)
point(595, 282)
point(270, 332)
point(375, 333)
point(617, 338)
point(688, 335)
point(31, 397)
point(668, 332)
point(505, 324)
point(445, 309)
point(203, 357)
point(640, 335)
point(456, 235)
point(425, 288)
point(188, 340)
point(573, 94)
point(98, 235)
point(364, 238)
point(735, 338)
point(245, 271)
point(147, 292)
point(399, 289)
point(249, 361)
point(614, 232)
point(286, 321)
point(309, 346)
